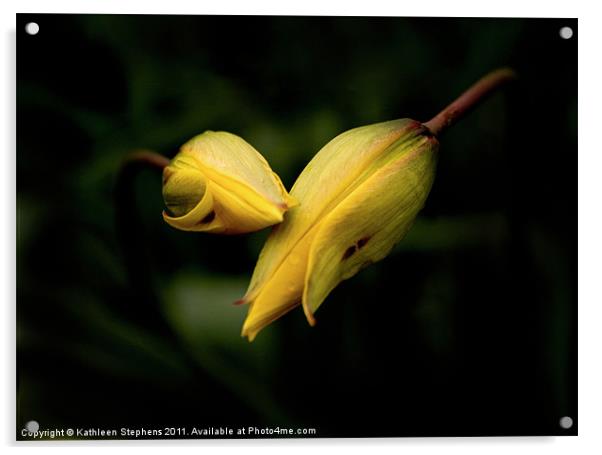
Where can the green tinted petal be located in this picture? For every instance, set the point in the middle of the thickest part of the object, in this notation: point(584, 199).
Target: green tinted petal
point(336, 170)
point(366, 225)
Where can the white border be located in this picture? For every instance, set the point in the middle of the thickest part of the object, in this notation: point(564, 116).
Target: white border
point(590, 226)
point(507, 8)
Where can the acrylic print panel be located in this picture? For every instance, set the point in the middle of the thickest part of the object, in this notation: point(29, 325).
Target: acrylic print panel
point(137, 233)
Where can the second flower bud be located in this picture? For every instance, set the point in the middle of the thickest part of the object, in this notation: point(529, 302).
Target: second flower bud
point(219, 183)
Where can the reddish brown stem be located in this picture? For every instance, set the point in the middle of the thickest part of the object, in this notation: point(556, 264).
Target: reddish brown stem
point(145, 159)
point(469, 99)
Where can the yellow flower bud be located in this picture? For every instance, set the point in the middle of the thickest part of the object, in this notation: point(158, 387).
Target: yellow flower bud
point(219, 183)
point(357, 198)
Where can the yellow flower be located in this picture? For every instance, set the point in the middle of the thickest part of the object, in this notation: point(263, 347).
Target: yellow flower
point(357, 198)
point(219, 183)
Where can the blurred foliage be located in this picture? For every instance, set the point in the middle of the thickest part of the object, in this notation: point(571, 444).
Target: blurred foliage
point(467, 328)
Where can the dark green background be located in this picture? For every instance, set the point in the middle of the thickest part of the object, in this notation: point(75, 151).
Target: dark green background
point(467, 328)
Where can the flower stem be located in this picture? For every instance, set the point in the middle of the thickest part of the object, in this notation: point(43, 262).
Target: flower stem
point(144, 159)
point(469, 99)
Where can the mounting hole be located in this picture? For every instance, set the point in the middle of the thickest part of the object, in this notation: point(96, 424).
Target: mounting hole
point(32, 28)
point(32, 426)
point(566, 32)
point(566, 422)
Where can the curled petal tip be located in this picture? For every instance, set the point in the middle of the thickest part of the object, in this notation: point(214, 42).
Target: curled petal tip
point(218, 183)
point(249, 335)
point(309, 315)
point(248, 332)
point(311, 320)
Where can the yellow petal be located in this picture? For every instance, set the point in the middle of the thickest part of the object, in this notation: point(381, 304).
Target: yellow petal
point(188, 196)
point(201, 218)
point(230, 160)
point(183, 186)
point(334, 172)
point(366, 225)
point(282, 292)
point(233, 185)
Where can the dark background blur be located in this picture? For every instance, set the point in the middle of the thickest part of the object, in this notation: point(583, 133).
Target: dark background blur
point(467, 328)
